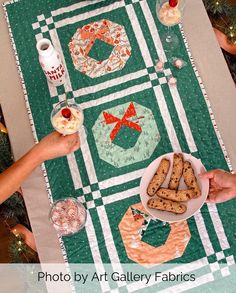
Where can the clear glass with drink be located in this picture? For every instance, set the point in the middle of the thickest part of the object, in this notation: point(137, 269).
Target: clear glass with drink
point(67, 117)
point(170, 13)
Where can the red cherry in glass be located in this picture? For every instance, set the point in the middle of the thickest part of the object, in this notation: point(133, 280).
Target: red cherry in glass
point(173, 3)
point(66, 112)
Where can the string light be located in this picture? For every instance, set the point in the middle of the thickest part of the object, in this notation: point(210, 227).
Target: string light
point(223, 16)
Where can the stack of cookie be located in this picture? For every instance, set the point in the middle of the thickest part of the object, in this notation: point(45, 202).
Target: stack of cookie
point(170, 199)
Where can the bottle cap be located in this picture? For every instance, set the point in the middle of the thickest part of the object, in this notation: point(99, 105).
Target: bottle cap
point(44, 47)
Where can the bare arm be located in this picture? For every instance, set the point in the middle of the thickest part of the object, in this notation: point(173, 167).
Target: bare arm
point(52, 146)
point(11, 179)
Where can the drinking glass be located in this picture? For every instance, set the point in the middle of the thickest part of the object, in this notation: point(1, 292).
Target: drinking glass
point(169, 13)
point(67, 117)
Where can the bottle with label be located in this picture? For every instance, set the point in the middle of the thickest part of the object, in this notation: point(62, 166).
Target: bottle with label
point(51, 63)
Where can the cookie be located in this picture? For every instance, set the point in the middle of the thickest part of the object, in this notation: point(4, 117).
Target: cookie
point(180, 195)
point(190, 179)
point(159, 177)
point(177, 171)
point(166, 205)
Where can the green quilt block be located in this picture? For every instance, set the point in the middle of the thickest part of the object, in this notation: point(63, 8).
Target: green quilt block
point(127, 138)
point(100, 50)
point(156, 233)
point(156, 142)
point(133, 64)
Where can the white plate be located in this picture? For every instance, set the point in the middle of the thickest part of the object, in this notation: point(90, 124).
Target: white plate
point(193, 205)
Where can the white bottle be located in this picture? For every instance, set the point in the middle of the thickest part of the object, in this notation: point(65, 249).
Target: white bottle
point(51, 63)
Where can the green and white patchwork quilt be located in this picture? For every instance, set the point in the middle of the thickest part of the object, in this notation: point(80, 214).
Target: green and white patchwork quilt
point(132, 116)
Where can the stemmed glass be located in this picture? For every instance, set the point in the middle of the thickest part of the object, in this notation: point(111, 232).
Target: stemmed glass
point(169, 13)
point(67, 118)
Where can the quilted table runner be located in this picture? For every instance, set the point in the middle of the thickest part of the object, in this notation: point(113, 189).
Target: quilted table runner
point(132, 116)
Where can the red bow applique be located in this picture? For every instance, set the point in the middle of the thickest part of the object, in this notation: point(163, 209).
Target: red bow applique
point(130, 112)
